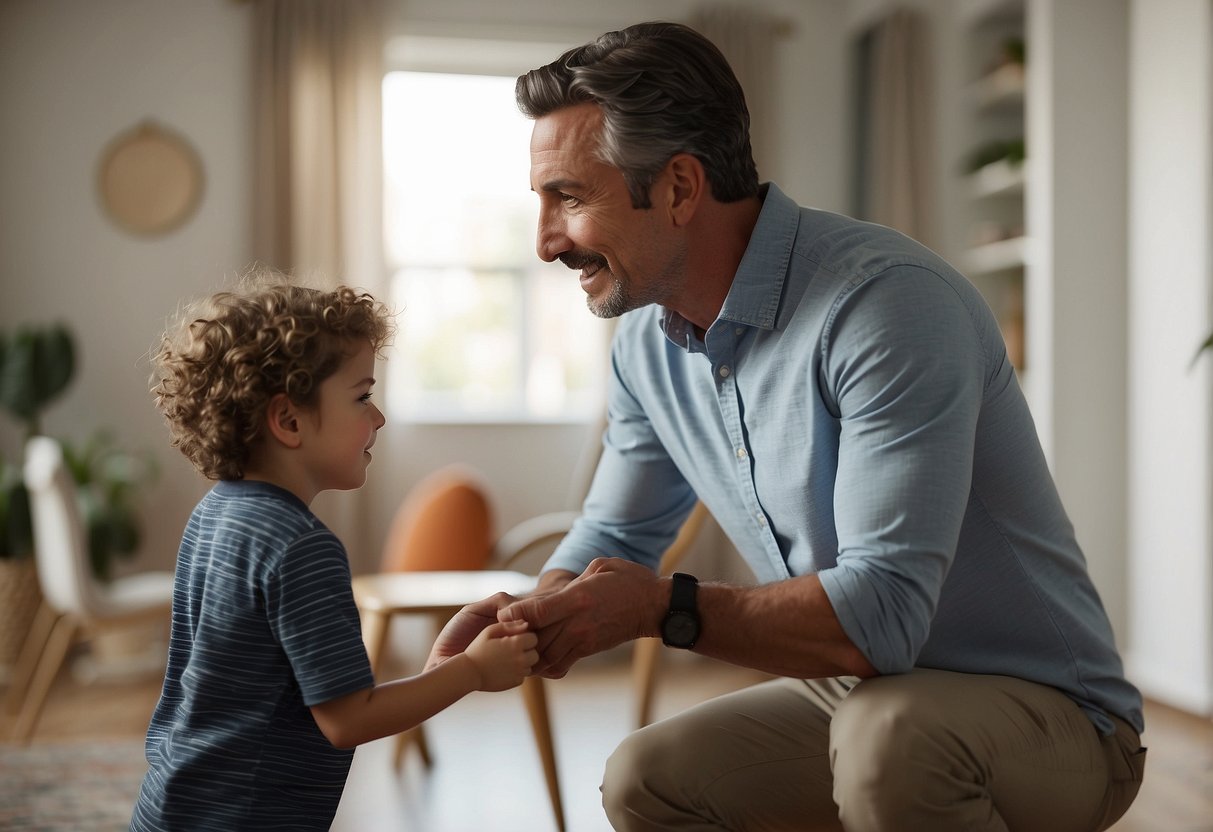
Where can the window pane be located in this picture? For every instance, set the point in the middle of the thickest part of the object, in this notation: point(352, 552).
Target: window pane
point(458, 338)
point(487, 330)
point(459, 185)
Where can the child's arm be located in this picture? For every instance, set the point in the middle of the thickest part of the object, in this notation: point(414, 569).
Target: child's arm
point(497, 659)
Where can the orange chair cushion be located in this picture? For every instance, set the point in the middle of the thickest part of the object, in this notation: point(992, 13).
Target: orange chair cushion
point(444, 523)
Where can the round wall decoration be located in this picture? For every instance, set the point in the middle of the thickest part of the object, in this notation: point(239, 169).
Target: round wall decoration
point(149, 180)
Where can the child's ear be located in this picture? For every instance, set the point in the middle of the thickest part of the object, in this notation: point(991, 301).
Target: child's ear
point(282, 421)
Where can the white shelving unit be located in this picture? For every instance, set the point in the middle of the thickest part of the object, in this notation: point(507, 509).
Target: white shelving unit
point(998, 251)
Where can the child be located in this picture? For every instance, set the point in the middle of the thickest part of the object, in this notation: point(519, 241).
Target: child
point(267, 389)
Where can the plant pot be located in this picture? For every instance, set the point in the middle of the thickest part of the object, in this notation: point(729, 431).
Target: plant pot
point(20, 596)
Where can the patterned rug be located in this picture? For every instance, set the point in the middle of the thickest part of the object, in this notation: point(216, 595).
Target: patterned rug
point(70, 787)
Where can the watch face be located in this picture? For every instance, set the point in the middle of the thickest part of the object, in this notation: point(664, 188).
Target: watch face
point(680, 629)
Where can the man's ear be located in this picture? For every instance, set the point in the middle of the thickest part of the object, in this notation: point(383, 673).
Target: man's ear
point(282, 421)
point(688, 186)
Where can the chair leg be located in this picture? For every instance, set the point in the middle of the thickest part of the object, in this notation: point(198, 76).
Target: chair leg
point(61, 638)
point(646, 652)
point(27, 660)
point(374, 636)
point(413, 736)
point(537, 709)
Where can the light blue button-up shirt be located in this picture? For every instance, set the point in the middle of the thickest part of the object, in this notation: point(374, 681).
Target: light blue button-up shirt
point(852, 413)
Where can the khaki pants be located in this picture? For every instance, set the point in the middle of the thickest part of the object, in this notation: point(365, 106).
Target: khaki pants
point(928, 750)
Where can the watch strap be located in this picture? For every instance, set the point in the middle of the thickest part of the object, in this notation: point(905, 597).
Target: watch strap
point(683, 592)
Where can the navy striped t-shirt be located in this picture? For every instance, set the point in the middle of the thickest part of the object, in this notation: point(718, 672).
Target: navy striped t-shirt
point(264, 626)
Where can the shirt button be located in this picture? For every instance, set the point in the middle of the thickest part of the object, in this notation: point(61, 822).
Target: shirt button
point(739, 330)
point(741, 454)
point(761, 518)
point(724, 371)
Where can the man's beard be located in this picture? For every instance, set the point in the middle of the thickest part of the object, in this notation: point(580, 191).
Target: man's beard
point(616, 302)
point(619, 298)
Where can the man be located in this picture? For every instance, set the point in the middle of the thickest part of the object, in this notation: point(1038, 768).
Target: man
point(841, 400)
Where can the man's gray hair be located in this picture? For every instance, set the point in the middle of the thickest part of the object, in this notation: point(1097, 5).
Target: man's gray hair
point(663, 89)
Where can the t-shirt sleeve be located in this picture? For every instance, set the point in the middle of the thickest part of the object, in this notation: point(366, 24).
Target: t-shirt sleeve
point(311, 610)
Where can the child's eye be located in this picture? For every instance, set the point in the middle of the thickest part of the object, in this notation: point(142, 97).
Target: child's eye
point(365, 397)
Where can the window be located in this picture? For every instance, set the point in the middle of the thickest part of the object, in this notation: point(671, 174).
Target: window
point(487, 331)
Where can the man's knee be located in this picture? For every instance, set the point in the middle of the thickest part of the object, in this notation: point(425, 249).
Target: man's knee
point(636, 775)
point(882, 748)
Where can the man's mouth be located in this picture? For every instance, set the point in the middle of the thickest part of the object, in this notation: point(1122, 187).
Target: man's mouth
point(589, 264)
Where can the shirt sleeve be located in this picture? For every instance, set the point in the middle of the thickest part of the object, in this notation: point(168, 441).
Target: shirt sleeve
point(638, 498)
point(904, 366)
point(311, 610)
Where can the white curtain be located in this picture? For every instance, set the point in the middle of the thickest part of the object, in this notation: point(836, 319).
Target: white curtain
point(897, 163)
point(318, 166)
point(744, 36)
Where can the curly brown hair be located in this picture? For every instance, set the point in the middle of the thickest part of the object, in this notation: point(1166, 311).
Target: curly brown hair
point(227, 355)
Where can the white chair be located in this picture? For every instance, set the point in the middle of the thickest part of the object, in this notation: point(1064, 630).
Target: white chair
point(74, 604)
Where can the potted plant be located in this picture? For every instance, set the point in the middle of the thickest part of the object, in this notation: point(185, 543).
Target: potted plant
point(108, 480)
point(36, 366)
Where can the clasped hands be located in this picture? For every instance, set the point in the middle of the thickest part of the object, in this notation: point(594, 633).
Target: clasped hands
point(612, 601)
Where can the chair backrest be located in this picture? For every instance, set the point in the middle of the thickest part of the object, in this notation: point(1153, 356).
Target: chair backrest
point(445, 522)
point(587, 463)
point(60, 546)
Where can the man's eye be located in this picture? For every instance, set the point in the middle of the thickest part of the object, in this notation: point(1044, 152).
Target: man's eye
point(569, 200)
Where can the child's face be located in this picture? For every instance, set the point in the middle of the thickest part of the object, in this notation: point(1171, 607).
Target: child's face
point(341, 429)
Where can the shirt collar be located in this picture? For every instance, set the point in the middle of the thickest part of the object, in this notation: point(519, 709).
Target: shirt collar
point(757, 288)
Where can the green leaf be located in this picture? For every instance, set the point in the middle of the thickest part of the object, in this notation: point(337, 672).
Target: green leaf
point(18, 387)
point(36, 366)
point(57, 362)
point(1208, 344)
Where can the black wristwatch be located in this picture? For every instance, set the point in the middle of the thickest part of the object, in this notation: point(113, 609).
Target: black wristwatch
point(680, 627)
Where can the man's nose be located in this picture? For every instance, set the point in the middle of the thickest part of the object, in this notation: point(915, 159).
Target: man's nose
point(552, 238)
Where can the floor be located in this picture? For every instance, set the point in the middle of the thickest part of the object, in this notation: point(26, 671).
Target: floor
point(486, 772)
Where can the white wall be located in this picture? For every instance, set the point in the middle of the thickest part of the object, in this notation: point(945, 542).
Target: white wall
point(72, 76)
point(1170, 573)
point(1077, 318)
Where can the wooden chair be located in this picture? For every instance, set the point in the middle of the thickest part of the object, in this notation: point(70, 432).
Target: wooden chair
point(444, 523)
point(433, 563)
point(441, 536)
point(385, 595)
point(74, 604)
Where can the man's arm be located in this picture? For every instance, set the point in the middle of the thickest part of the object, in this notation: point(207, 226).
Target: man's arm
point(788, 628)
point(639, 498)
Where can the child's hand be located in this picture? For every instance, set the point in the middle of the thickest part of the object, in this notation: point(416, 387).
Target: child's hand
point(464, 626)
point(503, 654)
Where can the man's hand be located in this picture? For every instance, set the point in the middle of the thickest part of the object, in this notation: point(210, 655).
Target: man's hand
point(612, 601)
point(465, 625)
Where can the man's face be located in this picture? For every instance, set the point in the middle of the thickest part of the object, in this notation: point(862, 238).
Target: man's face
point(628, 257)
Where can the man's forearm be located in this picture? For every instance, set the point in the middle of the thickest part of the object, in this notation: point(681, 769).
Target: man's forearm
point(787, 628)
